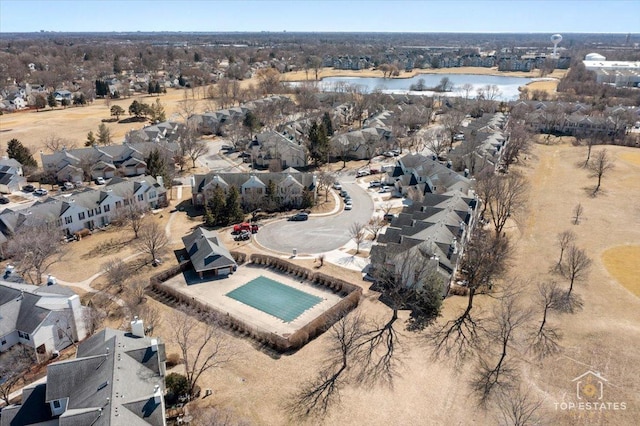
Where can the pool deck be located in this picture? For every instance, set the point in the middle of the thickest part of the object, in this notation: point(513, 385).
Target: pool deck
point(213, 293)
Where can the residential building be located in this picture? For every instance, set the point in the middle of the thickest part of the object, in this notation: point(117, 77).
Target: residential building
point(437, 228)
point(275, 150)
point(11, 179)
point(290, 186)
point(102, 161)
point(117, 378)
point(47, 319)
point(423, 175)
point(87, 208)
point(208, 254)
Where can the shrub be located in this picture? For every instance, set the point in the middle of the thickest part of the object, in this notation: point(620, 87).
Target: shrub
point(173, 360)
point(458, 290)
point(177, 386)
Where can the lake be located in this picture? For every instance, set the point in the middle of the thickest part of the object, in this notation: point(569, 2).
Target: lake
point(508, 85)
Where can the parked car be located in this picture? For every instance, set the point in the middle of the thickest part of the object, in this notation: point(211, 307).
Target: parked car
point(67, 185)
point(299, 217)
point(395, 152)
point(458, 137)
point(348, 202)
point(4, 200)
point(348, 206)
point(40, 192)
point(28, 188)
point(375, 184)
point(343, 193)
point(245, 226)
point(347, 198)
point(388, 154)
point(243, 236)
point(361, 173)
point(337, 186)
point(384, 190)
point(78, 184)
point(100, 181)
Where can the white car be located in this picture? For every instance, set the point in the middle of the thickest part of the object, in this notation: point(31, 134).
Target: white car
point(348, 206)
point(100, 181)
point(337, 186)
point(361, 173)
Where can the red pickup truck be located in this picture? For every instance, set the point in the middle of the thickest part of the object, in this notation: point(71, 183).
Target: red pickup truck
point(245, 226)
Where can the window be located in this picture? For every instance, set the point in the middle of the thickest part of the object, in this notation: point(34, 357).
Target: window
point(152, 194)
point(118, 204)
point(68, 219)
point(59, 222)
point(23, 335)
point(140, 197)
point(56, 403)
point(98, 210)
point(81, 216)
point(107, 208)
point(90, 213)
point(126, 202)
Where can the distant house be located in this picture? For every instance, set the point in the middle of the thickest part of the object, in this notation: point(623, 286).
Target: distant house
point(117, 378)
point(62, 95)
point(46, 319)
point(208, 254)
point(15, 166)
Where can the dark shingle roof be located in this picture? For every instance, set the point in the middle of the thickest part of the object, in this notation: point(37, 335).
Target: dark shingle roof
point(206, 251)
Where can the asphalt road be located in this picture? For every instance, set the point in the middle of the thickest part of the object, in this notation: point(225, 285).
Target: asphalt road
point(318, 234)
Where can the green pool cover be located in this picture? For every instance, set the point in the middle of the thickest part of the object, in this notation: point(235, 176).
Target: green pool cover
point(274, 298)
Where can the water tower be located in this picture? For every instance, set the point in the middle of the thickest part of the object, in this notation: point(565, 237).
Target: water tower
point(555, 39)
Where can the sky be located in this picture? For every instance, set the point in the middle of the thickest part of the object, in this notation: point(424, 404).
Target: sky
point(521, 16)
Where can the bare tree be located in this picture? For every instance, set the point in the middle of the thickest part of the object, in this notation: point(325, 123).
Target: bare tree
point(93, 318)
point(599, 167)
point(564, 240)
point(132, 214)
point(518, 143)
point(485, 259)
point(35, 247)
point(437, 145)
point(578, 210)
point(544, 339)
point(318, 394)
point(517, 407)
point(187, 107)
point(326, 179)
point(152, 240)
point(494, 368)
point(357, 233)
point(116, 272)
point(576, 266)
point(55, 143)
point(509, 194)
point(190, 145)
point(375, 225)
point(452, 121)
point(15, 363)
point(202, 345)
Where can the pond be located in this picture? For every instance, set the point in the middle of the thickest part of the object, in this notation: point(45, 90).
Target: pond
point(507, 86)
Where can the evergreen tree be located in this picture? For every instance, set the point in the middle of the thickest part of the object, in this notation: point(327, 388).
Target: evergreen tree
point(251, 122)
point(318, 143)
point(91, 139)
point(152, 88)
point(102, 88)
point(308, 199)
point(117, 111)
point(233, 209)
point(181, 81)
point(104, 134)
point(156, 166)
point(117, 68)
point(215, 208)
point(157, 112)
point(41, 102)
point(197, 57)
point(51, 100)
point(271, 197)
point(157, 88)
point(20, 153)
point(79, 99)
point(328, 125)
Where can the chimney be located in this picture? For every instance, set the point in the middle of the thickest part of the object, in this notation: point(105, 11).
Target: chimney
point(154, 345)
point(79, 328)
point(51, 280)
point(137, 327)
point(157, 394)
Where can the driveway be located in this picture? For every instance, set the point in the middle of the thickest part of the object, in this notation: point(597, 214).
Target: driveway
point(319, 234)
